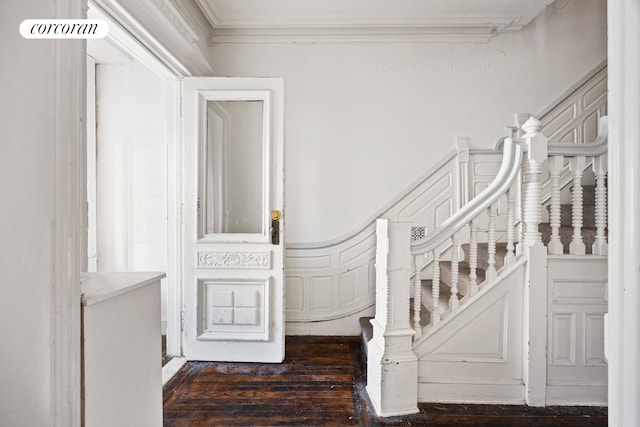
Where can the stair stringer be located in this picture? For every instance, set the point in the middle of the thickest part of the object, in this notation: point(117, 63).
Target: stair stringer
point(475, 355)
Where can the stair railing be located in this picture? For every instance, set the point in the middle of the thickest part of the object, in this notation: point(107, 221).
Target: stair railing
point(576, 158)
point(447, 236)
point(566, 166)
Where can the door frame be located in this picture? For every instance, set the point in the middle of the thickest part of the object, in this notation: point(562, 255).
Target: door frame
point(129, 35)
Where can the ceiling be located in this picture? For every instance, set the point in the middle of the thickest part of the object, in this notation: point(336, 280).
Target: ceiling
point(238, 17)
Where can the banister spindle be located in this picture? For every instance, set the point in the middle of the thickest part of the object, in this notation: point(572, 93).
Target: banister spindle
point(473, 259)
point(555, 167)
point(511, 202)
point(491, 246)
point(600, 246)
point(577, 165)
point(455, 255)
point(531, 188)
point(417, 294)
point(435, 289)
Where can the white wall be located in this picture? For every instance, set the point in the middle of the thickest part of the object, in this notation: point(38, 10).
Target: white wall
point(364, 120)
point(131, 170)
point(40, 182)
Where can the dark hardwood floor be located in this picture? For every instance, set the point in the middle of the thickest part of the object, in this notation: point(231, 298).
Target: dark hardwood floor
point(322, 383)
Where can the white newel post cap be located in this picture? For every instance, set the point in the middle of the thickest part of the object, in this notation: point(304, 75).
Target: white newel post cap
point(531, 126)
point(536, 142)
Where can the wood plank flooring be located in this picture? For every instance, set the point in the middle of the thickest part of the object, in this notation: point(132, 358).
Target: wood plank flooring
point(322, 383)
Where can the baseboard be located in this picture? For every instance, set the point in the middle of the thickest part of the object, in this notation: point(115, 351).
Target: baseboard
point(505, 394)
point(577, 395)
point(171, 369)
point(344, 326)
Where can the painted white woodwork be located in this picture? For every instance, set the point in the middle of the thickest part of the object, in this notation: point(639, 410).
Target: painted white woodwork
point(577, 166)
point(599, 164)
point(335, 21)
point(510, 257)
point(329, 284)
point(556, 164)
point(476, 355)
point(574, 118)
point(533, 389)
point(158, 148)
point(535, 320)
point(234, 279)
point(435, 289)
point(576, 365)
point(161, 27)
point(121, 341)
point(462, 147)
point(531, 186)
point(473, 259)
point(417, 294)
point(623, 334)
point(491, 246)
point(455, 252)
point(392, 367)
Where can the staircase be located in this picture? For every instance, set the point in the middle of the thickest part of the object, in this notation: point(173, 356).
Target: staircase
point(494, 305)
point(588, 232)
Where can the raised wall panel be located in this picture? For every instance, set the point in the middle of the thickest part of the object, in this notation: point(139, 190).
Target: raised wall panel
point(594, 345)
point(577, 369)
point(476, 355)
point(348, 289)
point(294, 293)
point(321, 293)
point(563, 350)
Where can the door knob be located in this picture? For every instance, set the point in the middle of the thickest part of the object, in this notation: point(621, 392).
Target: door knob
point(275, 227)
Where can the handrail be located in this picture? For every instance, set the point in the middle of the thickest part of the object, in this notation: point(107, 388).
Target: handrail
point(597, 148)
point(511, 160)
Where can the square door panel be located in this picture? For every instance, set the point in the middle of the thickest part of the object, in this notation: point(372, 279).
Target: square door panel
point(233, 310)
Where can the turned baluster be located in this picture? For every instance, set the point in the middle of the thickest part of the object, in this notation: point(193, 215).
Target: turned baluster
point(577, 165)
point(473, 259)
point(417, 294)
point(511, 202)
point(435, 289)
point(600, 246)
point(531, 188)
point(555, 167)
point(455, 255)
point(491, 246)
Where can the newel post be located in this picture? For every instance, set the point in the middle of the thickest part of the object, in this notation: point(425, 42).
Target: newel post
point(535, 309)
point(392, 367)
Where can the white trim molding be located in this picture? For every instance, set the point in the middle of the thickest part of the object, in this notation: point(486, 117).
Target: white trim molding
point(623, 334)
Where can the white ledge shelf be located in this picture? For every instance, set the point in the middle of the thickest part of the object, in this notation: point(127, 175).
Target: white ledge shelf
point(98, 287)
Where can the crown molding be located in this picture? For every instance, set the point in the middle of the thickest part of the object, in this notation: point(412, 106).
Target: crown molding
point(445, 29)
point(351, 35)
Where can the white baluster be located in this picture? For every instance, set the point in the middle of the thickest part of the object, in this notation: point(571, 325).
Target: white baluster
point(510, 257)
point(577, 165)
point(555, 167)
point(417, 294)
point(491, 246)
point(435, 289)
point(455, 255)
point(473, 259)
point(531, 188)
point(600, 246)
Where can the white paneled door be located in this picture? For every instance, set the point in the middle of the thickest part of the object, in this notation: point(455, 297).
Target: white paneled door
point(233, 227)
